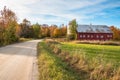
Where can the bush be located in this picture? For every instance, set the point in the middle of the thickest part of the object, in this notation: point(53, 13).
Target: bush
point(57, 50)
point(71, 37)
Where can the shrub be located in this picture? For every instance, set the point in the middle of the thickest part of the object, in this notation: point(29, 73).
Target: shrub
point(63, 55)
point(56, 50)
point(74, 60)
point(102, 72)
point(71, 37)
point(116, 75)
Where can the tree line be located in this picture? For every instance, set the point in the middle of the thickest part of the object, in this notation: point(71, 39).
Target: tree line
point(40, 31)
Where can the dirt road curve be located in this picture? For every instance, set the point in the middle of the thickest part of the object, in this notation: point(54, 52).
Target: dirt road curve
point(17, 61)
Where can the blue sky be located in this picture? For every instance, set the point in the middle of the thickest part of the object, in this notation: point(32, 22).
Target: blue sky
point(102, 12)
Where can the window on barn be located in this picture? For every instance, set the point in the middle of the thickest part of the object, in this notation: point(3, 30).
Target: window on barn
point(101, 36)
point(83, 36)
point(91, 36)
point(88, 36)
point(108, 36)
point(80, 36)
point(97, 36)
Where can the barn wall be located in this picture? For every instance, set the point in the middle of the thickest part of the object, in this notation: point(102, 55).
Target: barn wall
point(94, 36)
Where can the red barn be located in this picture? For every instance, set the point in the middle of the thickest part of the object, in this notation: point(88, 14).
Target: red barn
point(94, 32)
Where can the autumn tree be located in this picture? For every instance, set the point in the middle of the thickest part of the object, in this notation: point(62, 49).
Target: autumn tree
point(63, 30)
point(56, 33)
point(47, 32)
point(8, 25)
point(26, 29)
point(51, 29)
point(36, 30)
point(116, 33)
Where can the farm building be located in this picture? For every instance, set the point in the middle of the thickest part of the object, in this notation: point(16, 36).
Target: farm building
point(94, 32)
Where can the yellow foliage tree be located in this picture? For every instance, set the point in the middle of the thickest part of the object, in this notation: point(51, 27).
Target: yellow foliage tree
point(57, 32)
point(116, 33)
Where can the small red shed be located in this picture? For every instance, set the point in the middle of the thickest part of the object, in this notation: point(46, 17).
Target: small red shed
point(94, 32)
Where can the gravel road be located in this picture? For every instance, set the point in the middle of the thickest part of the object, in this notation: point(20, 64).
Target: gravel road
point(18, 61)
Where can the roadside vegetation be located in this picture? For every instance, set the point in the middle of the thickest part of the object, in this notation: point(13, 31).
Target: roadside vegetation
point(51, 67)
point(25, 39)
point(90, 62)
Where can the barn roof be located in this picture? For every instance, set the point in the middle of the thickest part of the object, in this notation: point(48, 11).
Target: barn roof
point(93, 29)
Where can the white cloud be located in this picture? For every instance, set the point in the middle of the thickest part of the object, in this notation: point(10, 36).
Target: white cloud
point(19, 7)
point(36, 10)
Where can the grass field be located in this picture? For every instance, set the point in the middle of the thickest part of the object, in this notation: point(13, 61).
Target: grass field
point(71, 61)
point(106, 51)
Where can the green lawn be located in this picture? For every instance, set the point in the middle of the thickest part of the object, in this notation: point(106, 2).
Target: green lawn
point(108, 52)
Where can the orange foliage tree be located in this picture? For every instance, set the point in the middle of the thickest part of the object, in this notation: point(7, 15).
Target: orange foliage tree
point(116, 33)
point(56, 32)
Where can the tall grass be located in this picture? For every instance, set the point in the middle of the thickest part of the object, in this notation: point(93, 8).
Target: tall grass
point(52, 67)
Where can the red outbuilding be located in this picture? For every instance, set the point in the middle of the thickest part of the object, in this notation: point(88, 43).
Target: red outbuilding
point(94, 32)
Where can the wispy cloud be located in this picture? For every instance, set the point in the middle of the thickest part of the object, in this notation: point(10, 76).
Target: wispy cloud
point(60, 11)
